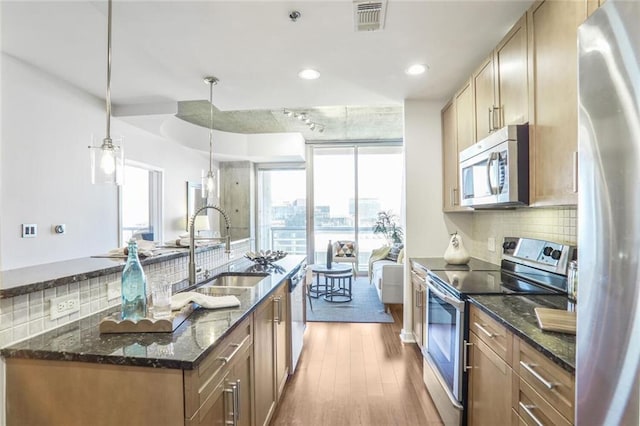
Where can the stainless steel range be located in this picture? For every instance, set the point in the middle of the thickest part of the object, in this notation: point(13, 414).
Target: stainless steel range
point(528, 267)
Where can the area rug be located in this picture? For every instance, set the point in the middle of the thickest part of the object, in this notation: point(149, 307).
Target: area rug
point(365, 306)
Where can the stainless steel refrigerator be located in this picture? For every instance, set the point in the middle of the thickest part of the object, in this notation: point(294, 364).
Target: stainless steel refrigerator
point(608, 334)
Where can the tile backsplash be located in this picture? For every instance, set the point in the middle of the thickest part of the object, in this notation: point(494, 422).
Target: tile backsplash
point(27, 315)
point(557, 224)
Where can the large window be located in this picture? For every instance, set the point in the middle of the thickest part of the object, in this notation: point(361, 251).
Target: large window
point(351, 184)
point(141, 203)
point(282, 199)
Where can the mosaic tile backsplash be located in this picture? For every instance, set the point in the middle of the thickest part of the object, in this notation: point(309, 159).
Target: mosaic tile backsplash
point(558, 225)
point(27, 315)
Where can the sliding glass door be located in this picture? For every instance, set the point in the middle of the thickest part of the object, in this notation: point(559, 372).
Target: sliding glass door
point(351, 184)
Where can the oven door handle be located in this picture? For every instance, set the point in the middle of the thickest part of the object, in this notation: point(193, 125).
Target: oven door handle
point(458, 304)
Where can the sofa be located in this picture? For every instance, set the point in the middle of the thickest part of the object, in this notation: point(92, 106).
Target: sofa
point(386, 273)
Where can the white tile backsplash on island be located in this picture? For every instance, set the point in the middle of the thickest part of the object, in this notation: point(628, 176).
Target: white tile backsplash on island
point(553, 224)
point(27, 315)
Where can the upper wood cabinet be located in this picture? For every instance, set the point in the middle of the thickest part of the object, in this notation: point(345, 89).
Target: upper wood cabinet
point(510, 63)
point(457, 134)
point(484, 101)
point(465, 126)
point(553, 100)
point(500, 91)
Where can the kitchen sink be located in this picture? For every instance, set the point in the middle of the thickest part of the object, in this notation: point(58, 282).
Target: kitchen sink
point(235, 280)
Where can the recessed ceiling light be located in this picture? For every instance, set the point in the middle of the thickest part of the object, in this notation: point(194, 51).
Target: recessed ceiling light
point(416, 69)
point(309, 74)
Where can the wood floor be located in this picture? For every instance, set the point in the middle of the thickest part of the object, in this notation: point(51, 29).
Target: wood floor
point(357, 374)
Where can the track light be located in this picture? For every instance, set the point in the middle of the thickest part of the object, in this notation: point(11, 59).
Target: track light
point(304, 117)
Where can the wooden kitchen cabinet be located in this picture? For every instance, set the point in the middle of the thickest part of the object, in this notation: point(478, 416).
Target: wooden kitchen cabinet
point(510, 62)
point(553, 100)
point(490, 354)
point(457, 134)
point(271, 356)
point(221, 387)
point(465, 126)
point(490, 382)
point(419, 306)
point(484, 100)
point(541, 388)
point(500, 84)
point(281, 321)
point(264, 356)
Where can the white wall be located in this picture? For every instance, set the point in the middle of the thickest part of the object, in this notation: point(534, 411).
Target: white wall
point(45, 174)
point(427, 227)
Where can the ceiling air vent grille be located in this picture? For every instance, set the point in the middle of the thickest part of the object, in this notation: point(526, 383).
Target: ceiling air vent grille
point(369, 15)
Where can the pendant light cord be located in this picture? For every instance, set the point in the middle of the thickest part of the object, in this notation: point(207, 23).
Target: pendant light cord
point(211, 83)
point(107, 140)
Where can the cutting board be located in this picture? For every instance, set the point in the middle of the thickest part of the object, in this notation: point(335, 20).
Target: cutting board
point(556, 320)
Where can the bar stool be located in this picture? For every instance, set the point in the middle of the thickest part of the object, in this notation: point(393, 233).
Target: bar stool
point(339, 287)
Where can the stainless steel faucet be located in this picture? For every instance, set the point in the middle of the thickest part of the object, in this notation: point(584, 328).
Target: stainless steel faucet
point(192, 240)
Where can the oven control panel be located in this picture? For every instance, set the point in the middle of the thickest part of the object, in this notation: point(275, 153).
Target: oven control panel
point(546, 255)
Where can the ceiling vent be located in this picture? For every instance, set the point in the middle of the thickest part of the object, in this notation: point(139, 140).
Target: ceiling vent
point(369, 15)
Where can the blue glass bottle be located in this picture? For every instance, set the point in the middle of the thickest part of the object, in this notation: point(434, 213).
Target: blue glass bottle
point(134, 286)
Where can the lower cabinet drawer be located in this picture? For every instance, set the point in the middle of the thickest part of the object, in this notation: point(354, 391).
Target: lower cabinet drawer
point(532, 408)
point(201, 383)
point(491, 332)
point(551, 382)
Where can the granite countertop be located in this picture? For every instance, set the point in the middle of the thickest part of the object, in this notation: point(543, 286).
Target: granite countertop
point(439, 264)
point(15, 282)
point(185, 348)
point(517, 313)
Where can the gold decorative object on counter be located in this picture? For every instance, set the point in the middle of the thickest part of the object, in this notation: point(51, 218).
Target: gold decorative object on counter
point(113, 323)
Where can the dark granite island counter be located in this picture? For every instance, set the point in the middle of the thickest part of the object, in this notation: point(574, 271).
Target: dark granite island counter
point(75, 375)
point(182, 349)
point(518, 315)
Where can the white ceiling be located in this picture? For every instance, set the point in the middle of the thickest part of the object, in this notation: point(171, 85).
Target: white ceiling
point(162, 49)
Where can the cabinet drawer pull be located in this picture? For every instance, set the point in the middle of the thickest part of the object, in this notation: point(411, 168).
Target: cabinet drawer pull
point(484, 330)
point(237, 346)
point(527, 409)
point(549, 385)
point(233, 390)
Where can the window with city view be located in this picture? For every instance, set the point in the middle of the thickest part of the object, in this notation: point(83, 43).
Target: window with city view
point(282, 219)
point(350, 186)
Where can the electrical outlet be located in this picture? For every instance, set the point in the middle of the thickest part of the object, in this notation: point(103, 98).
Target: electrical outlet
point(114, 290)
point(29, 230)
point(491, 244)
point(64, 305)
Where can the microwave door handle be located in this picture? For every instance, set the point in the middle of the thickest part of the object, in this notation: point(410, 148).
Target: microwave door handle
point(491, 158)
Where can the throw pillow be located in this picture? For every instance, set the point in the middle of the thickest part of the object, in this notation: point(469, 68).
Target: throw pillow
point(345, 249)
point(394, 252)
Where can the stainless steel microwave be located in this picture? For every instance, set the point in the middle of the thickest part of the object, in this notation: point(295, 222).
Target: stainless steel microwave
point(495, 171)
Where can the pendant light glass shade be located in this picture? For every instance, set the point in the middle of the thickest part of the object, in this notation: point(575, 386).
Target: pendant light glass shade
point(209, 179)
point(107, 155)
point(107, 162)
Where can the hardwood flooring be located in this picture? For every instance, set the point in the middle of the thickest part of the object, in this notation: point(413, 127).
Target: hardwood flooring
point(357, 374)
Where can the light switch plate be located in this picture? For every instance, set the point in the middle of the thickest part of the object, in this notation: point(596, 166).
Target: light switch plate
point(491, 244)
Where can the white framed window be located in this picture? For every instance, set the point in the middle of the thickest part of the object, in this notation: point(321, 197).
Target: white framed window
point(140, 200)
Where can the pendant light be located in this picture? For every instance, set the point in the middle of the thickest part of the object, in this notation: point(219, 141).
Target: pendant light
point(208, 180)
point(107, 158)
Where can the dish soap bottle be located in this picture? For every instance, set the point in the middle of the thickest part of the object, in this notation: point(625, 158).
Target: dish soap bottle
point(134, 286)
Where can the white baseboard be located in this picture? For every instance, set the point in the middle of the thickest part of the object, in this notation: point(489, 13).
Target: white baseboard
point(406, 337)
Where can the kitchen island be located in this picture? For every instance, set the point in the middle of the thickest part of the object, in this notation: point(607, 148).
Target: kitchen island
point(75, 375)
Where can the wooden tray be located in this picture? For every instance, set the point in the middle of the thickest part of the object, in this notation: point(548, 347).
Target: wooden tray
point(113, 323)
point(556, 320)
